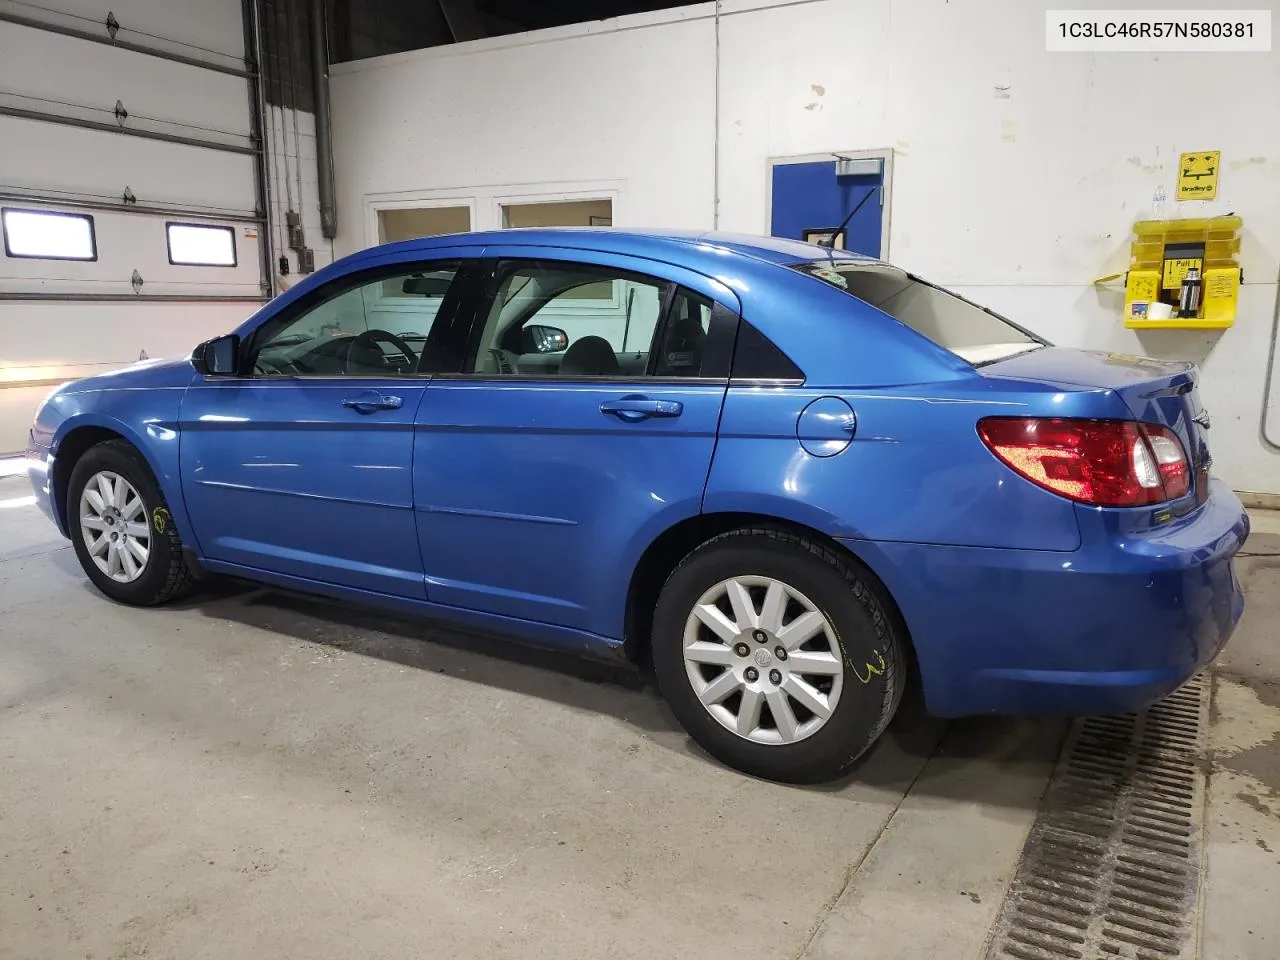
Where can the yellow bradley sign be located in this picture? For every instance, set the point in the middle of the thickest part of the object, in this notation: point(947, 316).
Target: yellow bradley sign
point(1198, 175)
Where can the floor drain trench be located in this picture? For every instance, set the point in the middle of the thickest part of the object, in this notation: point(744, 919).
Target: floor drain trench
point(1113, 862)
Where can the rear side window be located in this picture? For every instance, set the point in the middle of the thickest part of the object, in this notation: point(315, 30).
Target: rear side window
point(544, 318)
point(756, 357)
point(973, 333)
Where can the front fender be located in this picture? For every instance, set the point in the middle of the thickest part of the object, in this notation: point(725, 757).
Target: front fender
point(147, 419)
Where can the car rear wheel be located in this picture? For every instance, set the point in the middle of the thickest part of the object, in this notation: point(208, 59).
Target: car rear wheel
point(777, 654)
point(120, 527)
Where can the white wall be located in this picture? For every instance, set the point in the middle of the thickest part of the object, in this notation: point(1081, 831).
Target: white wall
point(1017, 173)
point(629, 110)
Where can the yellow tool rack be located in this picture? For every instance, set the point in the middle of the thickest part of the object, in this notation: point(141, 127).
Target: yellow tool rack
point(1162, 254)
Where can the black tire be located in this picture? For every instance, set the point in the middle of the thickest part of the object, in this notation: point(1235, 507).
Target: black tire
point(166, 575)
point(864, 630)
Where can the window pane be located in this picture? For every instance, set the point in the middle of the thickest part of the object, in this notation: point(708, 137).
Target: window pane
point(194, 245)
point(559, 213)
point(684, 337)
point(48, 235)
point(953, 323)
point(538, 323)
point(566, 213)
point(382, 327)
point(410, 223)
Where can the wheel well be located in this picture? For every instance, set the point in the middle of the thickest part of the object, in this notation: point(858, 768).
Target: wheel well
point(666, 552)
point(74, 446)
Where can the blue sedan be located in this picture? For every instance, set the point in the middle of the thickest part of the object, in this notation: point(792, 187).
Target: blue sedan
point(792, 477)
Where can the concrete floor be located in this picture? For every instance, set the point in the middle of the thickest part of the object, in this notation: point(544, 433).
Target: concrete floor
point(251, 774)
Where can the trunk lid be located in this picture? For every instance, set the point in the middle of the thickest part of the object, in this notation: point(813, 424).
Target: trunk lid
point(1155, 391)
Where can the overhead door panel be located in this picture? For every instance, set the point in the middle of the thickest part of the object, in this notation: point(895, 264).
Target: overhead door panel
point(99, 336)
point(204, 29)
point(155, 92)
point(127, 243)
point(94, 338)
point(66, 159)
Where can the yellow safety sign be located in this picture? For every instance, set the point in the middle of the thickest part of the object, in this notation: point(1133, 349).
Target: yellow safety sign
point(1198, 175)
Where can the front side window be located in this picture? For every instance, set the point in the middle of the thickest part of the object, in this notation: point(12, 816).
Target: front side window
point(974, 333)
point(381, 324)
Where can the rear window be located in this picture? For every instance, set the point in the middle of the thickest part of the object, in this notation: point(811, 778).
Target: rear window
point(974, 333)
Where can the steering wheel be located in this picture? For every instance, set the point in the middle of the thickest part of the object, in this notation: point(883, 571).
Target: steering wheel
point(266, 367)
point(368, 342)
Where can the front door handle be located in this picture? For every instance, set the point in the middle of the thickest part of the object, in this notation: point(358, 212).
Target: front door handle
point(371, 400)
point(637, 407)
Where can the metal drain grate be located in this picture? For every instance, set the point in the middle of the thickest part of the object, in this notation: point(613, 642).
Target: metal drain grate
point(1112, 864)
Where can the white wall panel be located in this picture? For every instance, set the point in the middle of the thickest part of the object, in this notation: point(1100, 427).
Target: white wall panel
point(631, 105)
point(1013, 165)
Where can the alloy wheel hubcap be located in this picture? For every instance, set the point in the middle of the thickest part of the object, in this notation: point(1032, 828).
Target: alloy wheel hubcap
point(763, 660)
point(113, 522)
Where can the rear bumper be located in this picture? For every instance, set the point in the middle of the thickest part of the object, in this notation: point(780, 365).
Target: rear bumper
point(1105, 629)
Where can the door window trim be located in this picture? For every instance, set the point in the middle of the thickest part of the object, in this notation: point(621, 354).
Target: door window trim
point(721, 333)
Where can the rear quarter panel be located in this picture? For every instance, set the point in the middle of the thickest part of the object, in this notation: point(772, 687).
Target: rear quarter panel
point(915, 471)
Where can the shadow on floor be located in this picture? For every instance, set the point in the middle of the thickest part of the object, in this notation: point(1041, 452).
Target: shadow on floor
point(624, 691)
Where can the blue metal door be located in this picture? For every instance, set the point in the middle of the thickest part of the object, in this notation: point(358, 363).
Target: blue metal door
point(305, 478)
point(809, 195)
point(302, 464)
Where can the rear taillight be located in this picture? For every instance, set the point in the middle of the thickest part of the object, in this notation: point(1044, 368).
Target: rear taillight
point(1107, 463)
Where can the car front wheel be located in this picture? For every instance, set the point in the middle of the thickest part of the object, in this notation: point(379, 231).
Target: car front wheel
point(777, 655)
point(120, 527)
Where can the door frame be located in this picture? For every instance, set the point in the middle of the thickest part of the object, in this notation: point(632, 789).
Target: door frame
point(884, 154)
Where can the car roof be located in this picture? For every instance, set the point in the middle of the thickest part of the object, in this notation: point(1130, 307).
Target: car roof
point(629, 240)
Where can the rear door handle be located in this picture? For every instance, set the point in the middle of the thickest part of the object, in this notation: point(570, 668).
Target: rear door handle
point(635, 408)
point(372, 400)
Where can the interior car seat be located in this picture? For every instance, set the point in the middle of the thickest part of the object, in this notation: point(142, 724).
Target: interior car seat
point(682, 349)
point(590, 357)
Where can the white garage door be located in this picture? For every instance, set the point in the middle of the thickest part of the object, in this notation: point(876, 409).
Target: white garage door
point(130, 188)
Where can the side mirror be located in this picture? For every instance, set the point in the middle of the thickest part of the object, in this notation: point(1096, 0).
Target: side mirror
point(536, 338)
point(218, 357)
